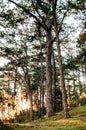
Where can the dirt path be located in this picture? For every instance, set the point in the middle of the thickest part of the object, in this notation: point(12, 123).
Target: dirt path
point(27, 127)
point(24, 126)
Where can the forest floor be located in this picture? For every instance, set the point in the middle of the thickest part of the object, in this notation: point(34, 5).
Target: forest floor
point(77, 121)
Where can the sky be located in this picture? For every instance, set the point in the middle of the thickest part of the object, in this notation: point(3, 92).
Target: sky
point(69, 20)
point(3, 61)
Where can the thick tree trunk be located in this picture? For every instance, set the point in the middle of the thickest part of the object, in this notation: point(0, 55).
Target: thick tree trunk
point(49, 105)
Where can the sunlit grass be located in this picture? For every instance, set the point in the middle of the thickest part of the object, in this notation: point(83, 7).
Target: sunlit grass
point(77, 121)
point(62, 124)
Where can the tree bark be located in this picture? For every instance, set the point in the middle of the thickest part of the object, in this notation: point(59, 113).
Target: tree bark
point(29, 93)
point(49, 105)
point(63, 90)
point(28, 84)
point(53, 81)
point(15, 80)
point(42, 90)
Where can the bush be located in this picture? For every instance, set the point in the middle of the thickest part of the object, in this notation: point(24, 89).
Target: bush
point(23, 117)
point(83, 101)
point(6, 127)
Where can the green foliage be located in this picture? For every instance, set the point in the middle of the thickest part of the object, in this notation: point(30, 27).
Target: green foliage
point(8, 51)
point(11, 127)
point(25, 116)
point(75, 101)
point(83, 101)
point(22, 117)
point(6, 127)
point(78, 4)
point(9, 16)
point(58, 99)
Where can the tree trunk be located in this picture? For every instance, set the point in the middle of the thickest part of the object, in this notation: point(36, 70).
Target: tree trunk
point(28, 84)
point(15, 80)
point(53, 81)
point(69, 94)
point(31, 106)
point(49, 105)
point(29, 93)
point(64, 100)
point(80, 85)
point(74, 86)
point(41, 81)
point(42, 91)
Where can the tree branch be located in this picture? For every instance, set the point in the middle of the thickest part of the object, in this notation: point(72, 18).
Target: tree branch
point(60, 27)
point(28, 12)
point(43, 21)
point(55, 4)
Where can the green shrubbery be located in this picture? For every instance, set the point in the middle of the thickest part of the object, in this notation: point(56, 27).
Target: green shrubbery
point(83, 101)
point(6, 127)
point(22, 117)
point(25, 116)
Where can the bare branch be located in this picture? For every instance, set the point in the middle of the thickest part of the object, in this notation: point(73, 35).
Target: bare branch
point(60, 27)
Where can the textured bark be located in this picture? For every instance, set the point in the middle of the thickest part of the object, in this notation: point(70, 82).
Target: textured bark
point(53, 81)
point(64, 100)
point(42, 90)
point(49, 105)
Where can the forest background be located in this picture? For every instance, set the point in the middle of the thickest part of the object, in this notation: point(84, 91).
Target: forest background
point(46, 54)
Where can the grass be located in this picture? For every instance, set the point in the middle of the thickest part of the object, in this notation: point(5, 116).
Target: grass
point(11, 127)
point(77, 121)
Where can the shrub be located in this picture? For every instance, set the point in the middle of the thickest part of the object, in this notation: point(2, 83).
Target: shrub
point(83, 101)
point(22, 117)
point(6, 127)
